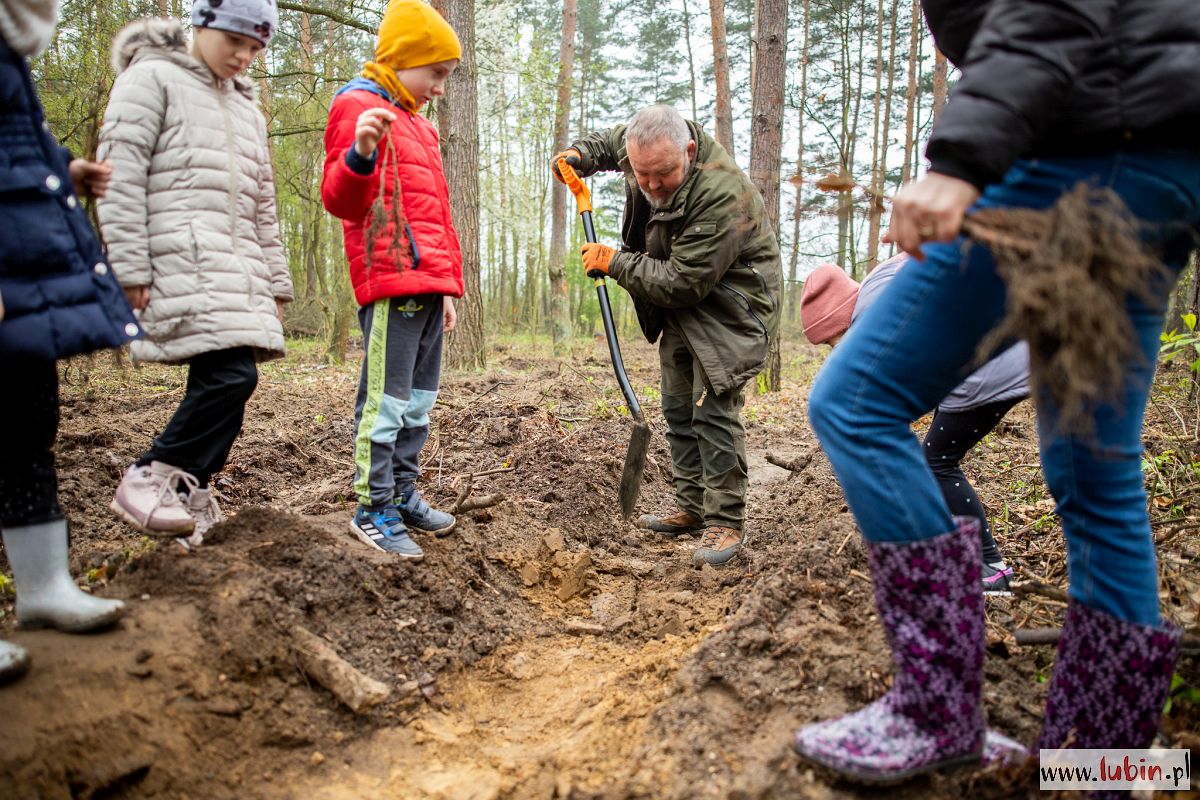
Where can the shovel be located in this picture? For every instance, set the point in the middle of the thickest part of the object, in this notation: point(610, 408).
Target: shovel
point(639, 442)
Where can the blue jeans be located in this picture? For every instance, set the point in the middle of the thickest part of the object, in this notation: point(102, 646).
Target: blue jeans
point(916, 343)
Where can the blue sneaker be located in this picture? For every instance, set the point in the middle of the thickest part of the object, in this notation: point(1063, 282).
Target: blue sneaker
point(383, 529)
point(420, 516)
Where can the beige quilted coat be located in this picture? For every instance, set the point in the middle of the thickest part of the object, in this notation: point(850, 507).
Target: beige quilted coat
point(191, 208)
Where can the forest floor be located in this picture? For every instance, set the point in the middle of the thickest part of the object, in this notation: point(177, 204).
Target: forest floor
point(546, 649)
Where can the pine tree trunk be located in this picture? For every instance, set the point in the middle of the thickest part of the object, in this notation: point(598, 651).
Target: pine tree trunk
point(766, 126)
point(458, 126)
point(724, 108)
point(687, 40)
point(940, 68)
point(560, 301)
point(878, 147)
point(910, 97)
point(793, 287)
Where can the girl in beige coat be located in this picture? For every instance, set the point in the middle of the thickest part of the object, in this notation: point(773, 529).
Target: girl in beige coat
point(191, 229)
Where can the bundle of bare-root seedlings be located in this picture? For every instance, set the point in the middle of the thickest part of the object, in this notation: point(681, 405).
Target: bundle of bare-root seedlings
point(384, 215)
point(1069, 271)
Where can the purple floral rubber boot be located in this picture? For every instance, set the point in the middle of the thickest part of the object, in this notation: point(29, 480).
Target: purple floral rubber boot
point(1110, 682)
point(930, 603)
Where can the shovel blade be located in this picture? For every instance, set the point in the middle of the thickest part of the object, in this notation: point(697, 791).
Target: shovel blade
point(635, 465)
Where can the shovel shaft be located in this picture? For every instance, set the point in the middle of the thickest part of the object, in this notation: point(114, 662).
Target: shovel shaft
point(614, 349)
point(610, 328)
point(639, 443)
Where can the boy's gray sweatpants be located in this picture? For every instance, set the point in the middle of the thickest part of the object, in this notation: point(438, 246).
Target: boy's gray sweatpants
point(397, 387)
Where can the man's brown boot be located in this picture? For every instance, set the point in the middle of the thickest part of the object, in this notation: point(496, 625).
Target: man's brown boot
point(674, 524)
point(718, 546)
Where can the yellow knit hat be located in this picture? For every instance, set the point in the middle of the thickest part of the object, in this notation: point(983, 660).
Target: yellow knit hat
point(414, 34)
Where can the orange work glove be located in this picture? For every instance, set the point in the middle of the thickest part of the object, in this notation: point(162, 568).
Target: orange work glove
point(596, 257)
point(573, 159)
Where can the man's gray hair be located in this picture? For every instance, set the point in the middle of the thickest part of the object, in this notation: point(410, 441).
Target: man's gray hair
point(655, 123)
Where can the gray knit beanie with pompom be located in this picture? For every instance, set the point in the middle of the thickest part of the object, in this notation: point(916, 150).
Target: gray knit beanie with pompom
point(254, 18)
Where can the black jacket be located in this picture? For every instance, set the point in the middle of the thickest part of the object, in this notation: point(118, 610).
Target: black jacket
point(1043, 77)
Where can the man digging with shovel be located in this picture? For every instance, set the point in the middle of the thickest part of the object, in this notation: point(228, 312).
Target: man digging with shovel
point(702, 265)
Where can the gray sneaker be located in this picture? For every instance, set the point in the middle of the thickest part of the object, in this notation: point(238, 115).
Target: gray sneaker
point(383, 529)
point(148, 499)
point(420, 516)
point(202, 505)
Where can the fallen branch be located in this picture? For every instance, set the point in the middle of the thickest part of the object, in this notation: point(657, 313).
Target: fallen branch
point(360, 693)
point(1039, 589)
point(482, 501)
point(329, 13)
point(1175, 530)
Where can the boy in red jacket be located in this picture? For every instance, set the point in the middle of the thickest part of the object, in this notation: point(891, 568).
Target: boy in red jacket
point(405, 263)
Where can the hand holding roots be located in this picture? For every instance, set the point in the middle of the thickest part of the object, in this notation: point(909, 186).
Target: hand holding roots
point(1069, 272)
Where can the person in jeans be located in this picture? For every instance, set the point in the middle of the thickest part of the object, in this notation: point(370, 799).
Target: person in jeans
point(831, 302)
point(1051, 94)
point(191, 228)
point(58, 298)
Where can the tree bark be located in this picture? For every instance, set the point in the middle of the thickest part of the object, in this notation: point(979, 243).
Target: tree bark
point(766, 139)
point(793, 287)
point(724, 108)
point(910, 96)
point(878, 146)
point(940, 68)
point(458, 126)
point(560, 306)
point(687, 40)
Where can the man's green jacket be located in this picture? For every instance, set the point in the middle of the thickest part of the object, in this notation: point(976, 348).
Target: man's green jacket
point(709, 261)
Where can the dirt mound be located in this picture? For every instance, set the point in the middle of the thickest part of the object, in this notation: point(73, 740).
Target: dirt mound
point(546, 649)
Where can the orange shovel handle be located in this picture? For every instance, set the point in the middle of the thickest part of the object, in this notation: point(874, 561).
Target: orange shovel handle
point(583, 198)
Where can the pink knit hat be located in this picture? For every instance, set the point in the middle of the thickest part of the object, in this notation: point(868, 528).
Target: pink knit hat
point(827, 303)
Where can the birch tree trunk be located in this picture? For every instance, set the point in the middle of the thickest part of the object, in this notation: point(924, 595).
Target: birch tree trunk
point(560, 310)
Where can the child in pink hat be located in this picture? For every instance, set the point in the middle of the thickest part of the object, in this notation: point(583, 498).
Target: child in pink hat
point(831, 301)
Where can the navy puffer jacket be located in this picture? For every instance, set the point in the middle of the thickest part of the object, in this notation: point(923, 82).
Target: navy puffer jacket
point(1044, 78)
point(60, 298)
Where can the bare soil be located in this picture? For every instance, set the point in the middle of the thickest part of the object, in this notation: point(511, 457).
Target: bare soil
point(547, 648)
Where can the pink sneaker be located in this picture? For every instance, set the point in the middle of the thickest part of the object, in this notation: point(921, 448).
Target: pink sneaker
point(148, 499)
point(202, 505)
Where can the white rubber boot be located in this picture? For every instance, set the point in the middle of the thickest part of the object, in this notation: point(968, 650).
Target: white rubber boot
point(14, 660)
point(46, 594)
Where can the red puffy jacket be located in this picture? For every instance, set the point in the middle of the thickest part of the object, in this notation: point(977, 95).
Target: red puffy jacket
point(431, 259)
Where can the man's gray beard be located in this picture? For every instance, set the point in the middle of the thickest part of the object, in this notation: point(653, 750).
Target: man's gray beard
point(654, 204)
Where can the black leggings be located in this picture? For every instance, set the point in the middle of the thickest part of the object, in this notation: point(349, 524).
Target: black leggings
point(951, 436)
point(29, 407)
point(201, 433)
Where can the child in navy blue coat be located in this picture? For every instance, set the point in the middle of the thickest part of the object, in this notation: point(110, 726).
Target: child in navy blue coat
point(58, 298)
